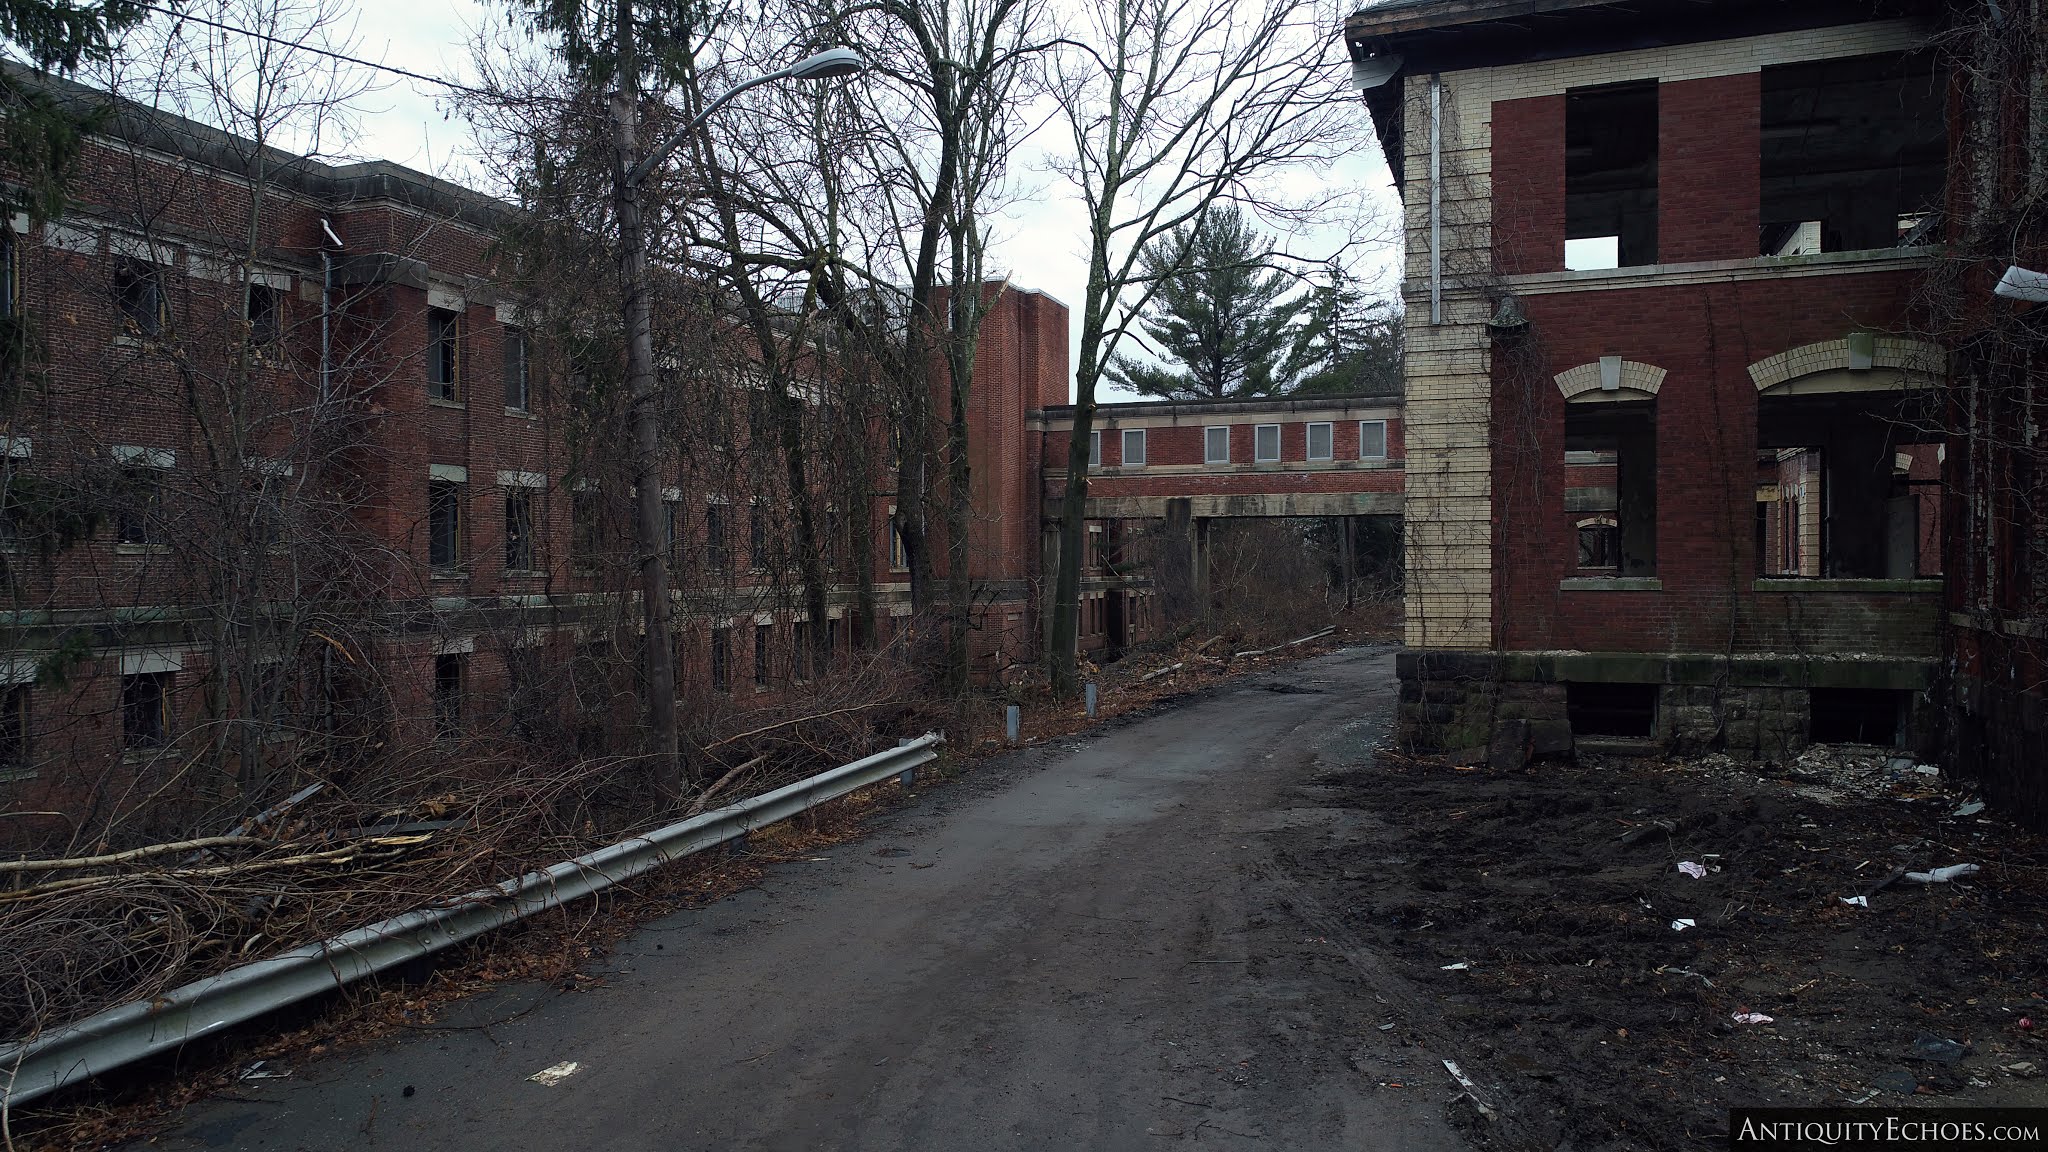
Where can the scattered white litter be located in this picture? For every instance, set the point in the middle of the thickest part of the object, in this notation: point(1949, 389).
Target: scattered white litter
point(1460, 966)
point(1925, 770)
point(1471, 1089)
point(1696, 871)
point(1857, 901)
point(1971, 808)
point(1682, 925)
point(1942, 875)
point(554, 1074)
point(257, 1071)
point(1752, 1018)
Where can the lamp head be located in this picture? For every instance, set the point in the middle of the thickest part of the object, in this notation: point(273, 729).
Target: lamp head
point(830, 64)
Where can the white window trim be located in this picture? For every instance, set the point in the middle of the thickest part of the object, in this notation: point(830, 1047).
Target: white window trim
point(144, 663)
point(1278, 444)
point(522, 480)
point(1382, 453)
point(453, 473)
point(1309, 440)
point(1124, 448)
point(1207, 434)
point(447, 300)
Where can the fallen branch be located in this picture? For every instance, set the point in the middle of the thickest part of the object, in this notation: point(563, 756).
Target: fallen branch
point(141, 853)
point(1289, 644)
point(704, 799)
point(1157, 672)
point(798, 720)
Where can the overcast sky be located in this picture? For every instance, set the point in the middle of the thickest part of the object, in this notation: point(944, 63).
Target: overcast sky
point(1039, 243)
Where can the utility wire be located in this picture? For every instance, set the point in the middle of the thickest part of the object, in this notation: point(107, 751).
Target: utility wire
point(297, 46)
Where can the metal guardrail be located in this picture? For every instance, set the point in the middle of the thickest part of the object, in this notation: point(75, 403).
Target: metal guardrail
point(129, 1032)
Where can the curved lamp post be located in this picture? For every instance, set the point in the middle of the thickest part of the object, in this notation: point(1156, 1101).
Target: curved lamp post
point(657, 652)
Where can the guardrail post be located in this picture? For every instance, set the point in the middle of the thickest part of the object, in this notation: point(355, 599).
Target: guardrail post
point(1013, 722)
point(1088, 693)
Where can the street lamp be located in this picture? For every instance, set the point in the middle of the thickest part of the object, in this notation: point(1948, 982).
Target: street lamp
point(629, 172)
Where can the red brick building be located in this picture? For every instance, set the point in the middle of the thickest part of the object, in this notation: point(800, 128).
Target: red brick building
point(1661, 265)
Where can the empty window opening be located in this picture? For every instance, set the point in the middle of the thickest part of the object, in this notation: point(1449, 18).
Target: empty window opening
point(1216, 445)
point(1846, 489)
point(1852, 154)
point(444, 524)
point(1134, 448)
point(139, 293)
point(757, 539)
point(444, 359)
point(1610, 176)
point(717, 552)
point(761, 634)
point(14, 728)
point(1625, 711)
point(1626, 430)
point(1372, 439)
point(265, 315)
point(139, 518)
point(145, 709)
point(583, 528)
point(1321, 444)
point(1266, 443)
point(447, 694)
point(1856, 716)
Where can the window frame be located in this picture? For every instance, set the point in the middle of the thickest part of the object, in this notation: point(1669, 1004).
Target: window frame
point(721, 658)
point(518, 369)
point(1124, 448)
point(131, 272)
point(17, 728)
point(1095, 448)
point(265, 330)
point(444, 355)
point(519, 542)
point(1329, 436)
point(157, 734)
point(445, 496)
point(763, 654)
point(1209, 456)
point(449, 691)
point(1258, 450)
point(1382, 453)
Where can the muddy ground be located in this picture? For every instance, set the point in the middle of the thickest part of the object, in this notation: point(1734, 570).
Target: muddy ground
point(1589, 1022)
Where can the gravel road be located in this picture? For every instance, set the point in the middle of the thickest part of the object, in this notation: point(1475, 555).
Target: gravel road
point(1094, 943)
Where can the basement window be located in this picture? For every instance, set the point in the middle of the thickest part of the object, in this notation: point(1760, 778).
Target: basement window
point(1626, 430)
point(1623, 711)
point(1610, 176)
point(1856, 716)
point(1852, 154)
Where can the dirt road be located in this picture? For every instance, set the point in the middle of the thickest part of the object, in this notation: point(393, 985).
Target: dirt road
point(1091, 944)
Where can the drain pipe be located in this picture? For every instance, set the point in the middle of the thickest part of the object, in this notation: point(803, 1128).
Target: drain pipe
point(326, 306)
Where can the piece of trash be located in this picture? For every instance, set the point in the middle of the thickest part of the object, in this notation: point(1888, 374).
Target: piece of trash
point(1927, 769)
point(1471, 1089)
point(1460, 966)
point(1687, 972)
point(1682, 925)
point(1971, 808)
point(554, 1074)
point(1936, 1050)
point(1387, 1027)
point(1866, 1098)
point(1897, 1080)
point(1979, 1082)
point(1857, 901)
point(1752, 1018)
point(1696, 871)
point(2023, 1068)
point(1942, 875)
point(2026, 1023)
point(257, 1071)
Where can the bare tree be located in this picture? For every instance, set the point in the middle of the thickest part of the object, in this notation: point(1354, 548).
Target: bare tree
point(1170, 107)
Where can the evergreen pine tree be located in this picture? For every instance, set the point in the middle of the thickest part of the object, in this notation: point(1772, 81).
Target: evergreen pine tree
point(41, 132)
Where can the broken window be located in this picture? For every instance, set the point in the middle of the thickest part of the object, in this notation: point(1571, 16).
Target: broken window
point(1626, 430)
point(721, 659)
point(1846, 487)
point(519, 530)
point(444, 354)
point(139, 293)
point(761, 635)
point(1610, 176)
point(145, 709)
point(1599, 545)
point(265, 313)
point(447, 694)
point(717, 556)
point(1853, 152)
point(444, 524)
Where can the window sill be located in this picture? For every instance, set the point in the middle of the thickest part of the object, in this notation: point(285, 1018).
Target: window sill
point(524, 574)
point(137, 342)
point(1610, 584)
point(1836, 584)
point(142, 549)
point(438, 402)
point(449, 574)
point(521, 413)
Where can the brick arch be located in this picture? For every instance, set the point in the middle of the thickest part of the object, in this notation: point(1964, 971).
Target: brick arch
point(1637, 380)
point(1895, 362)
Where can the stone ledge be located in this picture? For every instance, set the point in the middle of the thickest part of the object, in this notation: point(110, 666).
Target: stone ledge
point(1829, 584)
point(1610, 584)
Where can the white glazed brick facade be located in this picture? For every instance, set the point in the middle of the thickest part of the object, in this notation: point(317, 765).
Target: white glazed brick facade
point(1449, 507)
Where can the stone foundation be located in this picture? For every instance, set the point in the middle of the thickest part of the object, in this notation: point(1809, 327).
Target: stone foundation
point(1510, 706)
